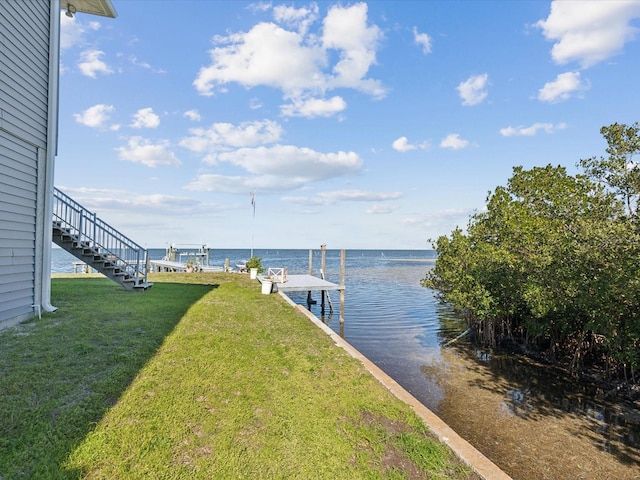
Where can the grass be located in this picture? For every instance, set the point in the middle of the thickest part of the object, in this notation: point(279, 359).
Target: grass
point(200, 377)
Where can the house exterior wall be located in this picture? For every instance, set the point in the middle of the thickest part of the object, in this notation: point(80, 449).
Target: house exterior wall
point(26, 103)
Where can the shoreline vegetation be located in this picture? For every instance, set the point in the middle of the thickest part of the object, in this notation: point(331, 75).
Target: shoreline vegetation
point(551, 269)
point(201, 376)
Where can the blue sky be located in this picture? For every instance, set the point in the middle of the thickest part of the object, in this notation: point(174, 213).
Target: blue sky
point(374, 125)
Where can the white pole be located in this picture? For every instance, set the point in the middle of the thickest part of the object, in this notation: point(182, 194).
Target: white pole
point(253, 224)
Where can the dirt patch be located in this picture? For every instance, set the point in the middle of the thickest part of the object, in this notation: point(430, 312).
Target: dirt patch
point(394, 460)
point(392, 427)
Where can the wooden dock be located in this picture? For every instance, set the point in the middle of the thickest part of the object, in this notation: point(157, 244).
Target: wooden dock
point(168, 266)
point(304, 283)
point(281, 281)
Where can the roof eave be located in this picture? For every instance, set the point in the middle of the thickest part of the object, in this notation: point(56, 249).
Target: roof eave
point(103, 8)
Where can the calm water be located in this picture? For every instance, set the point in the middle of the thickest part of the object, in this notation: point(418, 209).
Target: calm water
point(526, 418)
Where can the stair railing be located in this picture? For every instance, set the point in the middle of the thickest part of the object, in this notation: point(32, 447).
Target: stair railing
point(94, 233)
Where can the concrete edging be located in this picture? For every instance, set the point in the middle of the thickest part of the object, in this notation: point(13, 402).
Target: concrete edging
point(463, 449)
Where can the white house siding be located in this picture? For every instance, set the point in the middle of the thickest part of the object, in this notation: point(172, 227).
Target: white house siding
point(24, 104)
point(17, 226)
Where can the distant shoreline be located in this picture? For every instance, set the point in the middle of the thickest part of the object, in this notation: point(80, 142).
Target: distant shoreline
point(428, 260)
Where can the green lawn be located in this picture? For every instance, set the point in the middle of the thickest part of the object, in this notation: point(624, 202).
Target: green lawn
point(201, 376)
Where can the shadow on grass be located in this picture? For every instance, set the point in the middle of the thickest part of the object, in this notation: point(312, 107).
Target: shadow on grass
point(61, 374)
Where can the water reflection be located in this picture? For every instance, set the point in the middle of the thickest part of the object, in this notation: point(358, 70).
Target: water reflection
point(518, 402)
point(533, 420)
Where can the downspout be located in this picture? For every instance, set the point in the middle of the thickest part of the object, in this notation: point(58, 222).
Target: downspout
point(52, 150)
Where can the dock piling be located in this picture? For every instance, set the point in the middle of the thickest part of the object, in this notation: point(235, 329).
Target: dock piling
point(323, 293)
point(343, 262)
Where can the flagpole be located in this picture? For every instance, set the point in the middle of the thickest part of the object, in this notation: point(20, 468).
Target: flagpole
point(253, 204)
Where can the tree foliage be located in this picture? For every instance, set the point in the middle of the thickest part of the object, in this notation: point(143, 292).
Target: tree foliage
point(554, 261)
point(619, 172)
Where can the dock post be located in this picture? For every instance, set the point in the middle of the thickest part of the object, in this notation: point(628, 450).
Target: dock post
point(343, 256)
point(309, 299)
point(323, 250)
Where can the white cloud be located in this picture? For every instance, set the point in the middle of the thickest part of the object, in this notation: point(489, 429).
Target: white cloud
point(337, 196)
point(589, 31)
point(145, 118)
point(139, 63)
point(260, 6)
point(72, 30)
point(273, 168)
point(288, 161)
point(454, 142)
point(402, 145)
point(443, 218)
point(91, 190)
point(146, 65)
point(562, 88)
point(140, 150)
point(95, 117)
point(154, 203)
point(91, 64)
point(277, 169)
point(210, 182)
point(255, 104)
point(359, 196)
point(221, 137)
point(296, 62)
point(314, 107)
point(423, 40)
point(345, 29)
point(532, 130)
point(378, 209)
point(192, 115)
point(266, 55)
point(299, 18)
point(473, 90)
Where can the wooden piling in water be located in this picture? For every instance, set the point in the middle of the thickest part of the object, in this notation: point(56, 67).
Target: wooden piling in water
point(343, 263)
point(323, 253)
point(309, 298)
point(324, 291)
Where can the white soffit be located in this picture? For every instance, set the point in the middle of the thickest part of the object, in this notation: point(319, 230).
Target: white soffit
point(103, 8)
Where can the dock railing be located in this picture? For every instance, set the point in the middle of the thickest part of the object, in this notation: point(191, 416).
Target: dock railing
point(92, 232)
point(278, 275)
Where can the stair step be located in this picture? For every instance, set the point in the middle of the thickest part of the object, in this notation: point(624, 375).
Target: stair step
point(95, 256)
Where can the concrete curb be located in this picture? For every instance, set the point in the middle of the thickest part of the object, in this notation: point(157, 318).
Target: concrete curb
point(463, 449)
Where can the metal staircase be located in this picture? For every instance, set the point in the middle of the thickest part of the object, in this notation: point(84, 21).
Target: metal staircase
point(85, 236)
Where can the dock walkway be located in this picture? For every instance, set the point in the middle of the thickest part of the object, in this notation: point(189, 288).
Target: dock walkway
point(168, 266)
point(304, 283)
